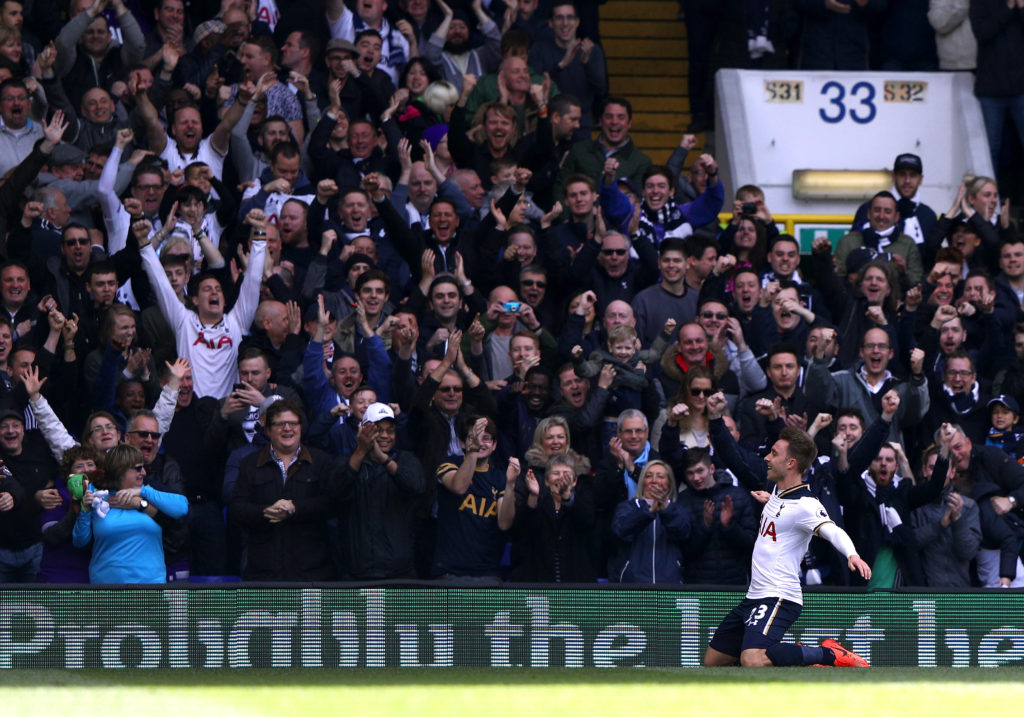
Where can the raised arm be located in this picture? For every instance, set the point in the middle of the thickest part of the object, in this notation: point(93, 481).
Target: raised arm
point(220, 140)
point(67, 41)
point(134, 45)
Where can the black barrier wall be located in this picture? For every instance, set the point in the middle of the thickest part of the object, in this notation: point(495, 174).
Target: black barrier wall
point(502, 627)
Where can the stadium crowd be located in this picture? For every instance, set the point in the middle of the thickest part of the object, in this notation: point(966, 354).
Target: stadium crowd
point(314, 292)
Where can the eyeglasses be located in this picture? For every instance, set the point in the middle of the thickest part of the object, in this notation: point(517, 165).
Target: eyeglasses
point(533, 282)
point(77, 241)
point(714, 315)
point(149, 187)
point(139, 468)
point(146, 434)
point(285, 424)
point(701, 391)
point(104, 428)
point(616, 252)
point(959, 372)
point(872, 347)
point(386, 430)
point(450, 389)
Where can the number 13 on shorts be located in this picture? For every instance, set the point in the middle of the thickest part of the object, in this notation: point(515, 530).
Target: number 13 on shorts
point(756, 615)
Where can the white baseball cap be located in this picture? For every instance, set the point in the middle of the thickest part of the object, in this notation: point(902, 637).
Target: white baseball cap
point(377, 412)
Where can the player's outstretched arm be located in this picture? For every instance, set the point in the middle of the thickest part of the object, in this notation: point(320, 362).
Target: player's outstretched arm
point(841, 541)
point(859, 566)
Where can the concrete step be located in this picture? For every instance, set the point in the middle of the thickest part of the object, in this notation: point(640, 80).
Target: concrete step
point(639, 9)
point(655, 48)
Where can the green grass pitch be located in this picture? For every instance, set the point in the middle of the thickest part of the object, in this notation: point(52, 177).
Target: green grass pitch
point(526, 693)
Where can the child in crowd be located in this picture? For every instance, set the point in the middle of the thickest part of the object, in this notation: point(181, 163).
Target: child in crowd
point(1004, 417)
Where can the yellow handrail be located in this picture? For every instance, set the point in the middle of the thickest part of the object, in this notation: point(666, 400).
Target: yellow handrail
point(789, 221)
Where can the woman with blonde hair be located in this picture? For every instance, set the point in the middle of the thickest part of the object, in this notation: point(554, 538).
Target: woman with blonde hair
point(551, 437)
point(651, 527)
point(975, 210)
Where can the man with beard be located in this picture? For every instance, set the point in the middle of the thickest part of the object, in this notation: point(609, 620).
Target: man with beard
point(476, 143)
point(553, 140)
point(877, 507)
point(883, 233)
point(295, 246)
point(451, 47)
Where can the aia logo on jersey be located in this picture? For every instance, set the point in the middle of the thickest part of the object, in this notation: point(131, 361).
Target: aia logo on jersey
point(224, 340)
point(768, 529)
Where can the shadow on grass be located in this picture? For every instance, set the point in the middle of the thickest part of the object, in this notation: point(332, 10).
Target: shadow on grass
point(482, 677)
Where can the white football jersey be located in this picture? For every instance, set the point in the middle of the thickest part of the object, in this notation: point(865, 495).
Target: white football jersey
point(788, 521)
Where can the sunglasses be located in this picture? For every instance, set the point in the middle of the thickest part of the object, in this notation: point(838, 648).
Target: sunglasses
point(450, 389)
point(147, 434)
point(616, 252)
point(80, 241)
point(533, 282)
point(701, 391)
point(714, 315)
point(139, 468)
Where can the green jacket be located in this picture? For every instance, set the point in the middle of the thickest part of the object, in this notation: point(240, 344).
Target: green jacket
point(588, 157)
point(904, 246)
point(486, 90)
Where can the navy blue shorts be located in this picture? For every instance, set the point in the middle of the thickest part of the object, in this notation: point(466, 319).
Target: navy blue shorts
point(755, 624)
